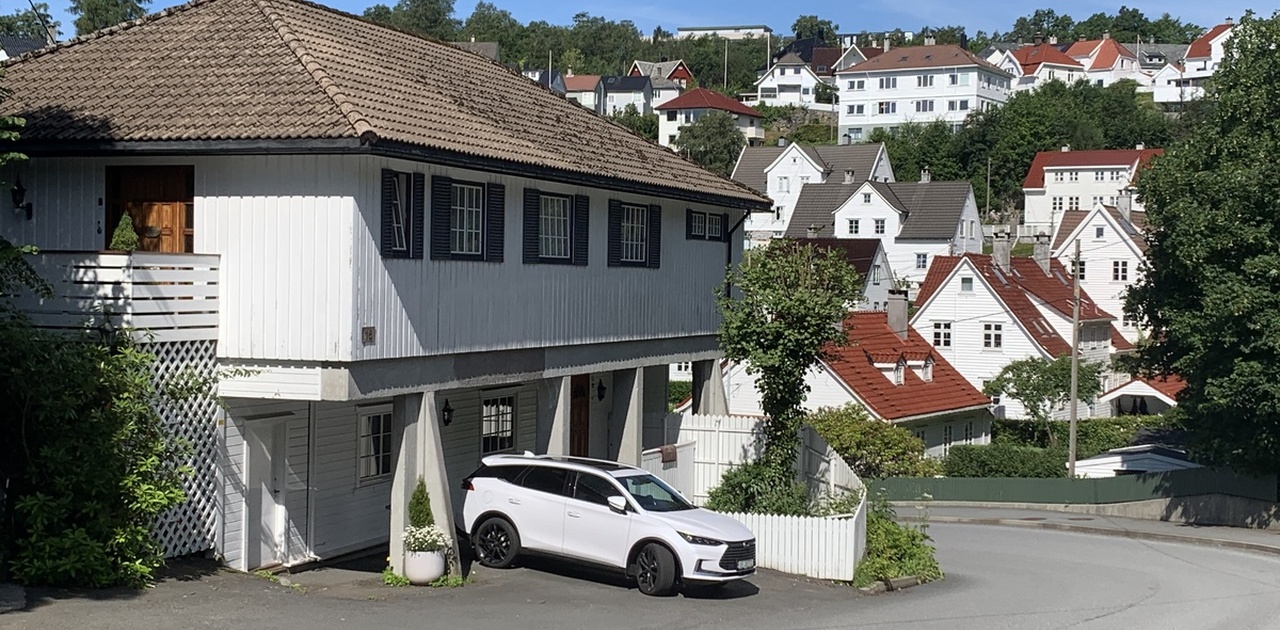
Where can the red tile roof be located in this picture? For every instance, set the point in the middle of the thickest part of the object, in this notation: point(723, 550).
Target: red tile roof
point(826, 58)
point(1032, 56)
point(1202, 47)
point(1096, 158)
point(1167, 385)
point(581, 82)
point(870, 51)
point(1108, 51)
point(702, 98)
point(872, 341)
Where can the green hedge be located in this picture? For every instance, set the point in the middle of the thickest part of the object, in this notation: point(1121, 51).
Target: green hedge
point(677, 391)
point(1004, 460)
point(873, 449)
point(1093, 435)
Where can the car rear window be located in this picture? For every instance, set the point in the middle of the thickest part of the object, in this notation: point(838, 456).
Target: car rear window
point(505, 473)
point(546, 479)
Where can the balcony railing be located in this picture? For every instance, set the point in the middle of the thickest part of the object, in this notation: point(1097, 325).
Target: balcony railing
point(164, 297)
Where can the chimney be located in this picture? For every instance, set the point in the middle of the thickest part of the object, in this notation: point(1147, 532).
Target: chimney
point(1041, 252)
point(1106, 34)
point(886, 43)
point(929, 40)
point(1140, 146)
point(846, 140)
point(1000, 248)
point(1066, 147)
point(1053, 40)
point(812, 230)
point(1081, 38)
point(782, 142)
point(473, 39)
point(897, 310)
point(1039, 39)
point(925, 176)
point(1124, 203)
point(568, 72)
point(1230, 21)
point(848, 176)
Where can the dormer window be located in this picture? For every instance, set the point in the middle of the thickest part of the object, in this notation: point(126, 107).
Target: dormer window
point(926, 373)
point(899, 372)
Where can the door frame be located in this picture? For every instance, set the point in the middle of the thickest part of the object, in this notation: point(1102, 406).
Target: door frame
point(273, 430)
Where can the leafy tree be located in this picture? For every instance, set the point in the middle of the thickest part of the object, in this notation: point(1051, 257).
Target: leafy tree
point(780, 321)
point(430, 18)
point(1044, 22)
point(645, 125)
point(872, 448)
point(572, 59)
point(1043, 386)
point(947, 34)
point(93, 15)
point(914, 146)
point(488, 23)
point(713, 141)
point(825, 93)
point(1210, 293)
point(811, 27)
point(27, 23)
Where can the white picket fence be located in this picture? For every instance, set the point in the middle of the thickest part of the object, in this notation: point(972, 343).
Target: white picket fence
point(824, 548)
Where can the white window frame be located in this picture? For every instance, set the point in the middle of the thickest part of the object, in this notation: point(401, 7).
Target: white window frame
point(634, 238)
point(875, 275)
point(947, 439)
point(879, 226)
point(887, 107)
point(1119, 271)
point(924, 106)
point(924, 81)
point(713, 227)
point(888, 83)
point(555, 225)
point(853, 226)
point(992, 336)
point(370, 458)
point(698, 223)
point(922, 261)
point(1059, 176)
point(968, 432)
point(1075, 176)
point(401, 213)
point(1080, 268)
point(466, 221)
point(1099, 232)
point(866, 197)
point(966, 284)
point(1057, 204)
point(1073, 202)
point(942, 334)
point(1099, 176)
point(492, 419)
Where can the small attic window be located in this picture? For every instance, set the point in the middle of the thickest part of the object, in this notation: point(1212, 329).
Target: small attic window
point(899, 372)
point(926, 373)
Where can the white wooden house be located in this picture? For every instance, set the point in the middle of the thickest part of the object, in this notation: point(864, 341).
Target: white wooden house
point(1183, 79)
point(406, 279)
point(1113, 248)
point(1105, 60)
point(1068, 179)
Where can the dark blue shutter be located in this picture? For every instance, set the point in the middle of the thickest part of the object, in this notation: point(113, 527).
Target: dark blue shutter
point(615, 233)
point(418, 198)
point(532, 214)
point(581, 229)
point(688, 223)
point(388, 200)
point(724, 227)
point(654, 259)
point(441, 203)
point(495, 222)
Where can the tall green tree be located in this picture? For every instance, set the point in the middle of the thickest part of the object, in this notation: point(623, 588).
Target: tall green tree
point(1210, 293)
point(781, 319)
point(1044, 386)
point(92, 15)
point(29, 23)
point(811, 26)
point(488, 23)
point(646, 125)
point(713, 141)
point(430, 18)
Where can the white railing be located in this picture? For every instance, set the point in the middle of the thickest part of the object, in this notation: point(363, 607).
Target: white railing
point(824, 548)
point(165, 297)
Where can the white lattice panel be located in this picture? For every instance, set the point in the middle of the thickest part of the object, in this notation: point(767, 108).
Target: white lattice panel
point(191, 526)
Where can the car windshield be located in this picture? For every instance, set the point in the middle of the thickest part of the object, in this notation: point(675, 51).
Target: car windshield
point(654, 495)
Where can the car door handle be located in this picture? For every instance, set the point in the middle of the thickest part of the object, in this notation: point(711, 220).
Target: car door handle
point(513, 501)
point(573, 514)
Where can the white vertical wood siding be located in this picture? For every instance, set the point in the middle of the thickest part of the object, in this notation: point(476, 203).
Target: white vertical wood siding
point(425, 307)
point(823, 548)
point(461, 439)
point(232, 472)
point(348, 515)
point(825, 390)
point(1099, 254)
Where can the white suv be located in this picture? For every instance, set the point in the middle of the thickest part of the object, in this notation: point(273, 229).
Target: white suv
point(602, 513)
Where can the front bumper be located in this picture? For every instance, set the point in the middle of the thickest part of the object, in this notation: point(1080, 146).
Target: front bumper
point(719, 563)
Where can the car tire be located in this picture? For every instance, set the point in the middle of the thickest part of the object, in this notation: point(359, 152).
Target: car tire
point(496, 543)
point(655, 570)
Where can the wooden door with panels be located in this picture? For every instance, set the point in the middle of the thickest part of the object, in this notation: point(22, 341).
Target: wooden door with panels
point(580, 415)
point(159, 199)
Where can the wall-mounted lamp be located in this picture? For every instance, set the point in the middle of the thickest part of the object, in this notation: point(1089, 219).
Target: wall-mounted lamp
point(446, 413)
point(19, 193)
point(600, 390)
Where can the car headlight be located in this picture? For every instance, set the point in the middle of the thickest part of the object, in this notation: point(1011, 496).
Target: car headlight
point(699, 540)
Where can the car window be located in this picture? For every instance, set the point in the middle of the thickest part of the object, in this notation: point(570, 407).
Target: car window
point(546, 479)
point(654, 495)
point(505, 473)
point(594, 489)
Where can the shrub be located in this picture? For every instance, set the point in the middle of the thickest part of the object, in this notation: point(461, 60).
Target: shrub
point(677, 392)
point(420, 507)
point(873, 449)
point(1004, 460)
point(1093, 435)
point(428, 538)
point(756, 488)
point(124, 238)
point(894, 550)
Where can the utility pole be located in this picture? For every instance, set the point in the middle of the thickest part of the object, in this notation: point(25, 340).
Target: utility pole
point(725, 85)
point(988, 188)
point(1075, 365)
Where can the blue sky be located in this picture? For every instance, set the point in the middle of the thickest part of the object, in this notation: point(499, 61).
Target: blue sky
point(871, 15)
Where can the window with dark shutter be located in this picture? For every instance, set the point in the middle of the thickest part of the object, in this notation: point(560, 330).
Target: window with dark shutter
point(495, 222)
point(615, 233)
point(418, 216)
point(398, 219)
point(530, 212)
point(581, 229)
point(555, 228)
point(724, 227)
point(441, 208)
point(654, 236)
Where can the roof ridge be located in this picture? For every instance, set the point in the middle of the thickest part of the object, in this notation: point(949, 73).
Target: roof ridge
point(354, 117)
point(104, 32)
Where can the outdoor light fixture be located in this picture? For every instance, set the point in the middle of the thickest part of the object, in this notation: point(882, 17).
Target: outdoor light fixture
point(20, 204)
point(600, 390)
point(446, 413)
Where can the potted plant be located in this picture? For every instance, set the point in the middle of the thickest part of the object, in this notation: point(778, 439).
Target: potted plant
point(426, 546)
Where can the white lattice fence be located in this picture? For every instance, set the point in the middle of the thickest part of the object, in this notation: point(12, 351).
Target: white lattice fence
point(190, 527)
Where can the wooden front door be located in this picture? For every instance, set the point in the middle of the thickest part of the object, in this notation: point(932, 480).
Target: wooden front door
point(580, 416)
point(159, 199)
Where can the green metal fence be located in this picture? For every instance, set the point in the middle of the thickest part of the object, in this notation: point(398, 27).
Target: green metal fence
point(1122, 489)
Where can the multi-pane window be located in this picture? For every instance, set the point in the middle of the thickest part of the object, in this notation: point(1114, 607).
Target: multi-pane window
point(1075, 176)
point(497, 424)
point(875, 274)
point(942, 334)
point(1097, 199)
point(1099, 176)
point(1073, 203)
point(553, 229)
point(993, 336)
point(899, 373)
point(401, 217)
point(922, 261)
point(924, 106)
point(879, 226)
point(784, 184)
point(1058, 176)
point(634, 224)
point(467, 219)
point(1115, 175)
point(853, 226)
point(924, 80)
point(947, 435)
point(374, 451)
point(1112, 202)
point(1079, 268)
point(713, 227)
point(1057, 204)
point(887, 107)
point(966, 285)
point(888, 83)
point(698, 222)
point(1120, 270)
point(968, 433)
point(858, 84)
point(866, 197)
point(958, 106)
point(855, 133)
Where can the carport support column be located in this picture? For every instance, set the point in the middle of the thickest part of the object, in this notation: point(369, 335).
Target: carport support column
point(421, 455)
point(553, 416)
point(709, 397)
point(626, 425)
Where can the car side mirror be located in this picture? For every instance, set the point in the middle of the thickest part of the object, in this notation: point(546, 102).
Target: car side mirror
point(618, 504)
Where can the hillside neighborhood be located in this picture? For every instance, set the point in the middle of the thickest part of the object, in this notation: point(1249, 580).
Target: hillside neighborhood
point(402, 298)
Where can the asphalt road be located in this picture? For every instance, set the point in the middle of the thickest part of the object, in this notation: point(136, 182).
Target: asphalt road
point(998, 577)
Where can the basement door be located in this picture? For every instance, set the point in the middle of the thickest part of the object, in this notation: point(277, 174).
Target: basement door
point(580, 415)
point(266, 517)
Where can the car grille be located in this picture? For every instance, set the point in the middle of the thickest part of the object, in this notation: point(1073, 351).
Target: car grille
point(736, 552)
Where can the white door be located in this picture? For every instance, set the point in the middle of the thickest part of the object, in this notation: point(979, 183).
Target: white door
point(265, 496)
point(592, 530)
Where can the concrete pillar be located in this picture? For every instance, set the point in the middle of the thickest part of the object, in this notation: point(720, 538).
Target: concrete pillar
point(553, 416)
point(626, 423)
point(421, 455)
point(709, 397)
point(655, 405)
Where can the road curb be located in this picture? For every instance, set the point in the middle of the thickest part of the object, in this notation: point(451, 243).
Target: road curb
point(1104, 531)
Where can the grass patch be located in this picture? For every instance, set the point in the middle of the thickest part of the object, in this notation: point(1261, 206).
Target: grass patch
point(267, 575)
point(391, 578)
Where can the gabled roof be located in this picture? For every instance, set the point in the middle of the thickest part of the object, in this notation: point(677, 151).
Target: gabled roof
point(749, 170)
point(618, 84)
point(1104, 53)
point(657, 69)
point(937, 56)
point(1202, 47)
point(15, 46)
point(1133, 228)
point(871, 341)
point(932, 210)
point(702, 98)
point(859, 252)
point(859, 158)
point(1161, 55)
point(825, 58)
point(581, 82)
point(1032, 57)
point(815, 205)
point(255, 70)
point(1092, 158)
point(1165, 387)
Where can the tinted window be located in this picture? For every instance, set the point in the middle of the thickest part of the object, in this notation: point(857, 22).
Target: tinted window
point(595, 489)
point(505, 473)
point(654, 495)
point(546, 479)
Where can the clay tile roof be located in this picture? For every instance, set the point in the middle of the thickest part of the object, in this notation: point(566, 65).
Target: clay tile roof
point(1091, 158)
point(1202, 47)
point(1032, 56)
point(859, 252)
point(254, 70)
point(581, 82)
point(825, 58)
point(872, 341)
point(1134, 227)
point(1108, 51)
point(937, 56)
point(702, 98)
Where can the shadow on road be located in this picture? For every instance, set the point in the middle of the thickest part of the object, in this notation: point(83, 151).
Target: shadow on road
point(187, 569)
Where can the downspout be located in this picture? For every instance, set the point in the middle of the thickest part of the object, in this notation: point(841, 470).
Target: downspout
point(728, 253)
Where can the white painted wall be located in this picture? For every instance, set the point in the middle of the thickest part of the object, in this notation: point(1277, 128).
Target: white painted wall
point(744, 399)
point(978, 86)
point(586, 98)
point(671, 121)
point(616, 102)
point(1086, 190)
point(349, 515)
point(783, 184)
point(875, 292)
point(933, 431)
point(1100, 254)
point(788, 84)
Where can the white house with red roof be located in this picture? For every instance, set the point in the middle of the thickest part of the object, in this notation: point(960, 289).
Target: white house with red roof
point(983, 312)
point(1041, 63)
point(893, 373)
point(1065, 180)
point(1113, 247)
point(582, 89)
point(1185, 81)
point(1105, 60)
point(692, 105)
point(1144, 396)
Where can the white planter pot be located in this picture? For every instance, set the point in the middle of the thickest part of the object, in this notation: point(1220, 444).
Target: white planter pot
point(424, 567)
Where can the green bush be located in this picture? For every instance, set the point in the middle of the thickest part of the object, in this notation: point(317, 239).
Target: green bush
point(677, 392)
point(124, 238)
point(1004, 460)
point(894, 550)
point(756, 488)
point(873, 449)
point(420, 506)
point(1093, 435)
